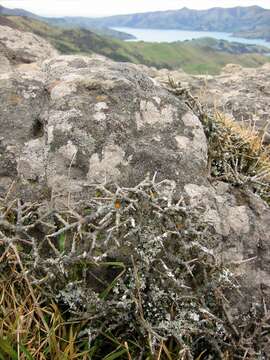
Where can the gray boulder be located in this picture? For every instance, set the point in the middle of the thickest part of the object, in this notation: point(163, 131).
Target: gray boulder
point(75, 120)
point(23, 47)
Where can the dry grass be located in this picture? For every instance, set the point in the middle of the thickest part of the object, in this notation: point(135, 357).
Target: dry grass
point(236, 151)
point(237, 154)
point(29, 327)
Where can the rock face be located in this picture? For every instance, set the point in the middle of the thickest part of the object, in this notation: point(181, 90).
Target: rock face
point(22, 47)
point(72, 120)
point(241, 93)
point(76, 119)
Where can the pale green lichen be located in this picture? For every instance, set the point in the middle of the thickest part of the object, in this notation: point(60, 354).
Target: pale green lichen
point(135, 263)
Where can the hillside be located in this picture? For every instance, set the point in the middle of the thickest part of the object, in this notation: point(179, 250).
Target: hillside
point(192, 57)
point(86, 23)
point(67, 41)
point(249, 22)
point(68, 22)
point(244, 19)
point(17, 12)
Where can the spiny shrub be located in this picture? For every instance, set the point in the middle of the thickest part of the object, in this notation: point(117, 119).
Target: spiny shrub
point(125, 273)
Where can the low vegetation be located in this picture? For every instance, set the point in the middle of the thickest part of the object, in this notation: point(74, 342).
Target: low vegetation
point(238, 155)
point(129, 273)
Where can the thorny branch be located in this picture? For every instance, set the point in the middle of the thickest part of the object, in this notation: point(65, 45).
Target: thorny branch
point(138, 260)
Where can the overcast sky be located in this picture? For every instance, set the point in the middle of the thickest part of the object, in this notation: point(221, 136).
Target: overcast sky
point(111, 7)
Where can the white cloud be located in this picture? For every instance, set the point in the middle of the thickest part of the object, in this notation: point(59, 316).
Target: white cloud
point(109, 7)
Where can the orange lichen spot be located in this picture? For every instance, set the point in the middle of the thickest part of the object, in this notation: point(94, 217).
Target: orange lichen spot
point(180, 226)
point(15, 99)
point(117, 204)
point(101, 97)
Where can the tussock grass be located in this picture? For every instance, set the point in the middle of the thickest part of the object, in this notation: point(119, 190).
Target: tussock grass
point(240, 145)
point(30, 327)
point(237, 154)
point(236, 151)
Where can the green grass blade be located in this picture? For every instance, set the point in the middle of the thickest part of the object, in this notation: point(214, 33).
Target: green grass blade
point(7, 348)
point(62, 242)
point(26, 353)
point(115, 355)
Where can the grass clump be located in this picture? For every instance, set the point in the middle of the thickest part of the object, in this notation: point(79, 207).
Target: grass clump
point(126, 273)
point(32, 328)
point(237, 155)
point(236, 152)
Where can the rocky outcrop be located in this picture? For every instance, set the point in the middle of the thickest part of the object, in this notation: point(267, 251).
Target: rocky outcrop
point(23, 47)
point(79, 119)
point(72, 120)
point(241, 93)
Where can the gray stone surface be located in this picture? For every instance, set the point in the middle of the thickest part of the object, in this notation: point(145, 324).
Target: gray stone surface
point(83, 119)
point(73, 120)
point(241, 223)
point(23, 46)
point(4, 64)
point(241, 93)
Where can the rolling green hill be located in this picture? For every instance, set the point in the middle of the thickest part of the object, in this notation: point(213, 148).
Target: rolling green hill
point(191, 56)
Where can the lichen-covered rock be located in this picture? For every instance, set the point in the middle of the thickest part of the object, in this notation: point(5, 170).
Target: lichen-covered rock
point(78, 119)
point(241, 93)
point(72, 121)
point(241, 222)
point(24, 47)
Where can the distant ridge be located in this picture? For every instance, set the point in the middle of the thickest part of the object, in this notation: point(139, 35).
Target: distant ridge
point(17, 12)
point(249, 22)
point(252, 21)
point(68, 22)
point(201, 56)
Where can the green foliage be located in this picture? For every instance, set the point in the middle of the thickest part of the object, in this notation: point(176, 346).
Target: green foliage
point(6, 349)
